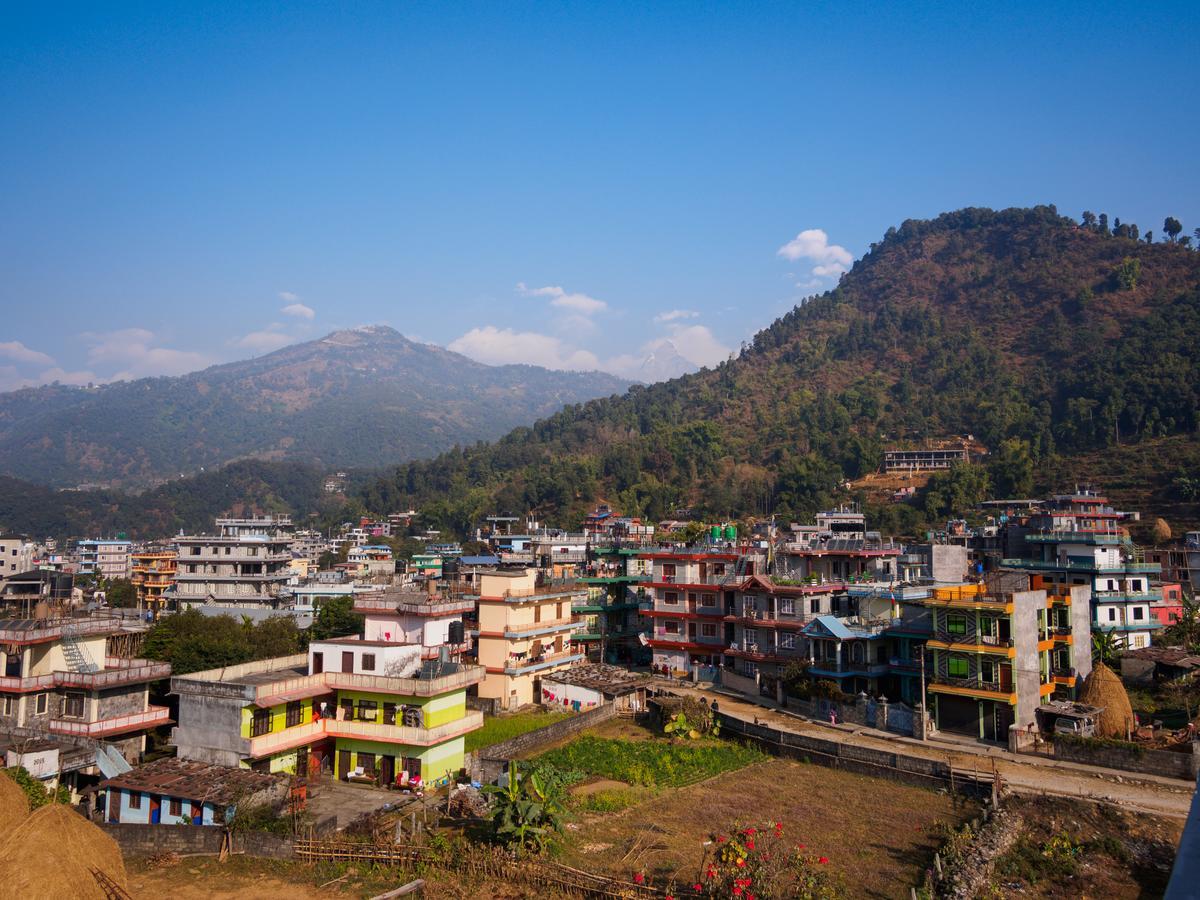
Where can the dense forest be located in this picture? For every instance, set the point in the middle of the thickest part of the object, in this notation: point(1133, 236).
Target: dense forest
point(1042, 337)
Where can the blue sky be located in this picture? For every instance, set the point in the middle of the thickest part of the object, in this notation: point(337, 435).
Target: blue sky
point(566, 184)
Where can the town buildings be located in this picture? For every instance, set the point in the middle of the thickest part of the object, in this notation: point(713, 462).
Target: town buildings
point(525, 632)
point(16, 555)
point(425, 619)
point(352, 708)
point(247, 563)
point(58, 680)
point(1077, 539)
point(609, 621)
point(371, 561)
point(173, 791)
point(106, 558)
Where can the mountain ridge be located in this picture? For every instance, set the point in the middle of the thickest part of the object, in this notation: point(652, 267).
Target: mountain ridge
point(397, 398)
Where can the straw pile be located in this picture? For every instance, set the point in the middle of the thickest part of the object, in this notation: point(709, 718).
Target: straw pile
point(1103, 688)
point(51, 855)
point(14, 806)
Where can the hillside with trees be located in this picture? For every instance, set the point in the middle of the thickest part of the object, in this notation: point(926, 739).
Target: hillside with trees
point(1044, 338)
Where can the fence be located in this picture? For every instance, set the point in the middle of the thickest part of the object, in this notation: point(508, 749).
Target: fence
point(1184, 765)
point(481, 862)
point(487, 764)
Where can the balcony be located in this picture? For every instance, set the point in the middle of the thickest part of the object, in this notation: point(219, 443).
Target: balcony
point(949, 684)
point(116, 671)
point(403, 734)
point(540, 628)
point(143, 721)
point(1070, 536)
point(972, 642)
point(538, 663)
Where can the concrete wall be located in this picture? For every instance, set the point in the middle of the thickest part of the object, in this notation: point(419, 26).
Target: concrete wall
point(1081, 631)
point(1165, 763)
point(124, 700)
point(1026, 677)
point(209, 729)
point(487, 764)
point(150, 840)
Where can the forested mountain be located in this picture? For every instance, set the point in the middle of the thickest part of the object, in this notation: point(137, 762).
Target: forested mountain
point(363, 397)
point(1042, 337)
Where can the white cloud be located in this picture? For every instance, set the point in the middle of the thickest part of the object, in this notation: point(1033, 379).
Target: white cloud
point(288, 297)
point(676, 314)
point(499, 346)
point(295, 308)
point(561, 298)
point(697, 344)
point(62, 376)
point(830, 260)
point(131, 352)
point(18, 352)
point(263, 341)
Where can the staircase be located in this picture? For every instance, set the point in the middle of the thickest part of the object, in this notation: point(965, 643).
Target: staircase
point(77, 656)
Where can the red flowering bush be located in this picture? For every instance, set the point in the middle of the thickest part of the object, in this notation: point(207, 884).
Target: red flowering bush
point(759, 863)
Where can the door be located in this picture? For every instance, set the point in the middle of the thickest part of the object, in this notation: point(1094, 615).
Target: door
point(343, 764)
point(387, 770)
point(114, 805)
point(318, 663)
point(1006, 677)
point(197, 813)
point(155, 812)
point(347, 661)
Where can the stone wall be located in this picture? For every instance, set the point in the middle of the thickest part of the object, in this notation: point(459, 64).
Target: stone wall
point(1165, 763)
point(150, 840)
point(127, 699)
point(869, 712)
point(486, 765)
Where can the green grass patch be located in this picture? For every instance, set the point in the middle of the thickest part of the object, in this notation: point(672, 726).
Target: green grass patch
point(497, 729)
point(610, 800)
point(649, 763)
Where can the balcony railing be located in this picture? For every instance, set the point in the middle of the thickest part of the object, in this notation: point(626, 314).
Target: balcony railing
point(54, 630)
point(116, 671)
point(152, 717)
point(974, 684)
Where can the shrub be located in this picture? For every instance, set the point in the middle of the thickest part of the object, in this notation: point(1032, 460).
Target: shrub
point(38, 794)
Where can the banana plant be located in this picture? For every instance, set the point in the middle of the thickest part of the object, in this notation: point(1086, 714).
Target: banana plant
point(525, 811)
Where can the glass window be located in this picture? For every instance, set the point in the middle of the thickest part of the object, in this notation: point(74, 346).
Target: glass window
point(707, 629)
point(1139, 613)
point(787, 641)
point(987, 670)
point(956, 624)
point(671, 597)
point(672, 627)
point(295, 713)
point(957, 667)
point(73, 705)
point(787, 606)
point(135, 800)
point(261, 723)
point(751, 635)
point(175, 806)
point(368, 662)
point(368, 710)
point(40, 704)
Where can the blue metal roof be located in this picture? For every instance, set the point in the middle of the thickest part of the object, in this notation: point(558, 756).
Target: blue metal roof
point(479, 560)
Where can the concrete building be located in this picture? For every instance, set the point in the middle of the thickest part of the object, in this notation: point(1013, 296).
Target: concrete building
point(609, 623)
point(424, 619)
point(58, 680)
point(16, 555)
point(926, 459)
point(1000, 648)
point(767, 621)
point(352, 708)
point(371, 561)
point(247, 563)
point(152, 573)
point(838, 548)
point(1077, 540)
point(525, 633)
point(104, 558)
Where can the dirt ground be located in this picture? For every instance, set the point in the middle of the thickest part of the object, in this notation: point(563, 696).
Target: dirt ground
point(877, 833)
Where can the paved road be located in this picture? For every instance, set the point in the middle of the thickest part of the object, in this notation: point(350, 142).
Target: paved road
point(1021, 773)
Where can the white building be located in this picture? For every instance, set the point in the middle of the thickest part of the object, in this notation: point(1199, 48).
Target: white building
point(104, 558)
point(247, 563)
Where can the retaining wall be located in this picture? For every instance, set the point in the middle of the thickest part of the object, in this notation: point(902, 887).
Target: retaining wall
point(486, 765)
point(1165, 763)
point(149, 840)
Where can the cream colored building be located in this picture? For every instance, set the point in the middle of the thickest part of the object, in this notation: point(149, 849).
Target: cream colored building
point(525, 633)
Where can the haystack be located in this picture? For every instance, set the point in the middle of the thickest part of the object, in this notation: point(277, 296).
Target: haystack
point(1104, 689)
point(14, 806)
point(52, 853)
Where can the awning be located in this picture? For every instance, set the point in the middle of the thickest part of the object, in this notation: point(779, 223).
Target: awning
point(300, 693)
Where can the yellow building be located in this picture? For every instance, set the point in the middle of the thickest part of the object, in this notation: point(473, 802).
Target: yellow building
point(152, 573)
point(525, 628)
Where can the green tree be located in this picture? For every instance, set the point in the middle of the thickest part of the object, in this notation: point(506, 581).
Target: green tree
point(526, 811)
point(39, 795)
point(1105, 648)
point(120, 592)
point(957, 491)
point(1171, 228)
point(335, 618)
point(1128, 273)
point(1011, 469)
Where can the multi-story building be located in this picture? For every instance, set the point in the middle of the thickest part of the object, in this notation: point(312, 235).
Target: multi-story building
point(425, 619)
point(58, 680)
point(525, 632)
point(998, 649)
point(351, 708)
point(609, 622)
point(690, 591)
point(767, 621)
point(839, 549)
point(152, 573)
point(16, 555)
point(371, 560)
point(247, 563)
point(1077, 540)
point(104, 558)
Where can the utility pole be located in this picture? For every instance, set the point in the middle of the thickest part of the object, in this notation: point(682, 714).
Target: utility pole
point(924, 699)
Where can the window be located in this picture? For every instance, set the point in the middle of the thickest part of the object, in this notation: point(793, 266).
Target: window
point(787, 606)
point(295, 713)
point(987, 627)
point(751, 635)
point(10, 704)
point(261, 723)
point(1112, 614)
point(749, 669)
point(671, 598)
point(956, 667)
point(368, 710)
point(1139, 613)
point(175, 807)
point(671, 628)
point(787, 641)
point(368, 662)
point(956, 624)
point(135, 800)
point(707, 629)
point(708, 599)
point(987, 670)
point(73, 705)
point(40, 704)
